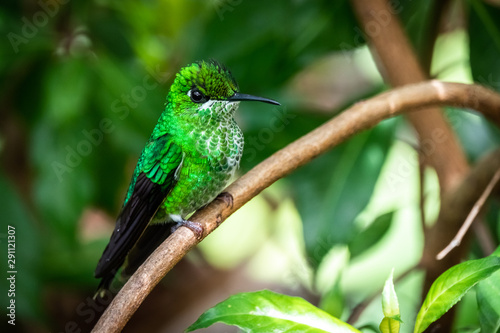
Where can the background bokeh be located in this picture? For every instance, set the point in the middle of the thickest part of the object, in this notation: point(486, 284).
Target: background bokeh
point(82, 86)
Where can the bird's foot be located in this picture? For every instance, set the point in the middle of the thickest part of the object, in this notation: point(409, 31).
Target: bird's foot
point(227, 198)
point(196, 227)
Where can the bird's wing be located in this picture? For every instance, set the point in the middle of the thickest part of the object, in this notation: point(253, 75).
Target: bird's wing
point(155, 178)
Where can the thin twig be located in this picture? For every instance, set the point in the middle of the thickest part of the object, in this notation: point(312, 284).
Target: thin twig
point(359, 117)
point(471, 217)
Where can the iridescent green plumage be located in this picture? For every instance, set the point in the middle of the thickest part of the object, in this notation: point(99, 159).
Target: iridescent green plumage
point(192, 154)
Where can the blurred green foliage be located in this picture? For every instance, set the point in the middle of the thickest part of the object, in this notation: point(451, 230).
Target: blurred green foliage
point(83, 84)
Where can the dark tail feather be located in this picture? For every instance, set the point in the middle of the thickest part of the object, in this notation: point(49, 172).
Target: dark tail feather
point(102, 297)
point(104, 289)
point(152, 237)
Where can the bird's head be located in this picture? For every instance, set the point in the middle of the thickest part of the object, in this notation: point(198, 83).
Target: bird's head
point(207, 89)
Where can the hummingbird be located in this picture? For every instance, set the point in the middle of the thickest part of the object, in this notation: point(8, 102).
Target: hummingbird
point(190, 157)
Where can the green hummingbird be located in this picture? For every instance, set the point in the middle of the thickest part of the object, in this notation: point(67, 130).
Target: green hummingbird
point(192, 154)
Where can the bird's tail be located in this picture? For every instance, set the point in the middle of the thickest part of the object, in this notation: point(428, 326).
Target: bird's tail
point(104, 293)
point(151, 238)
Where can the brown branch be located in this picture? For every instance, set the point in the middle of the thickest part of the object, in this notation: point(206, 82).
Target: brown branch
point(359, 117)
point(471, 217)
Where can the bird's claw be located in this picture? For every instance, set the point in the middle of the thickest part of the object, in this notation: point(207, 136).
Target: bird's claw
point(196, 227)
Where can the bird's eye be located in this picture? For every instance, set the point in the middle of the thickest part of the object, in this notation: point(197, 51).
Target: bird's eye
point(197, 96)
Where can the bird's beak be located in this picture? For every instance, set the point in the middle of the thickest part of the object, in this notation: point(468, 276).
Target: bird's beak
point(244, 97)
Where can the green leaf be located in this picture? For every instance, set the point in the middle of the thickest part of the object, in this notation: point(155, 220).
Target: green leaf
point(390, 307)
point(389, 325)
point(451, 286)
point(371, 235)
point(265, 311)
point(488, 300)
point(484, 37)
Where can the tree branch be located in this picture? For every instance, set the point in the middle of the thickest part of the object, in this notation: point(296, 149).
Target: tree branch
point(471, 217)
point(359, 117)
